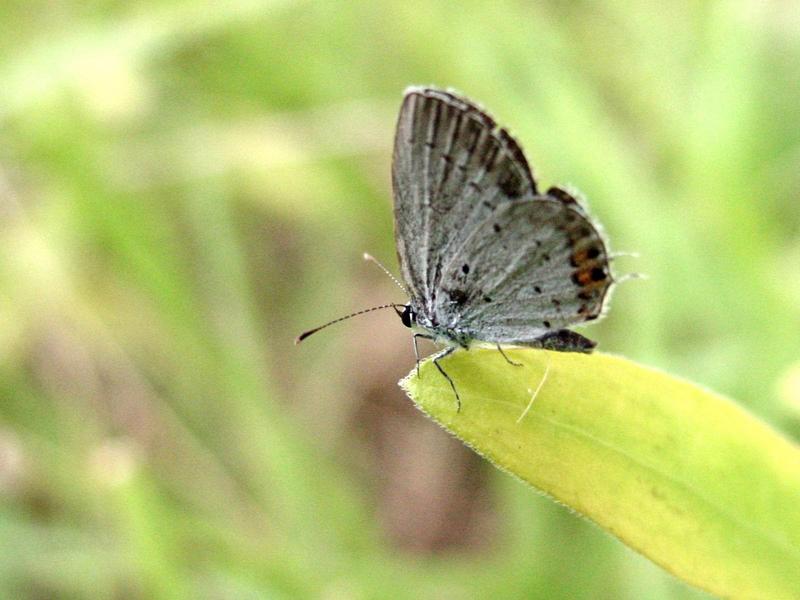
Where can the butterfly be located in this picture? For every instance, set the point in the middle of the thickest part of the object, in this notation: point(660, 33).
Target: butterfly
point(484, 255)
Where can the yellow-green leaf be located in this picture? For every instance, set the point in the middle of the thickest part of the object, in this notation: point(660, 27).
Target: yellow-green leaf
point(682, 475)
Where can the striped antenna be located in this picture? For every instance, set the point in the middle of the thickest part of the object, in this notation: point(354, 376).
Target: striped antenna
point(371, 258)
point(305, 334)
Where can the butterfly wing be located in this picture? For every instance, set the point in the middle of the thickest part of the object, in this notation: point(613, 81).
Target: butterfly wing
point(531, 268)
point(452, 166)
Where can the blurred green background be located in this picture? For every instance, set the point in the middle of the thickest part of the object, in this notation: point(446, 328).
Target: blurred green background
point(184, 186)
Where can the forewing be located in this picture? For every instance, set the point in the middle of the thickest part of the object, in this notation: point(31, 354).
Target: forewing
point(452, 166)
point(533, 267)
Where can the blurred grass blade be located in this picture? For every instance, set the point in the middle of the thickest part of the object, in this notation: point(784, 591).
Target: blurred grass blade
point(682, 475)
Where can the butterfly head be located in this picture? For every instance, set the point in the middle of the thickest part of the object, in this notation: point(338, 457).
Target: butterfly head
point(408, 316)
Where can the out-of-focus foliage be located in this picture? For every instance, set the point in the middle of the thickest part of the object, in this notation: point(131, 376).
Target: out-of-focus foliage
point(184, 186)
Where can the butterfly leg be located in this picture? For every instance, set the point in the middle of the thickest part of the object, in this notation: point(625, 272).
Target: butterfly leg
point(416, 350)
point(436, 359)
point(508, 360)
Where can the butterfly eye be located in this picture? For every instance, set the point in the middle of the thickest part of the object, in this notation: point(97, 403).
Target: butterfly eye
point(407, 317)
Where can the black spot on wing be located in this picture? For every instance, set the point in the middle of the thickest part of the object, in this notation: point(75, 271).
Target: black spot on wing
point(565, 197)
point(518, 156)
point(457, 297)
point(511, 184)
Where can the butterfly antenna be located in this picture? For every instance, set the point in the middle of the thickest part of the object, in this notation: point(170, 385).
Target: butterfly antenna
point(371, 258)
point(305, 334)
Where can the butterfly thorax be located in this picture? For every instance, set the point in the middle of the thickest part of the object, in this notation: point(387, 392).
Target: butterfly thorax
point(419, 322)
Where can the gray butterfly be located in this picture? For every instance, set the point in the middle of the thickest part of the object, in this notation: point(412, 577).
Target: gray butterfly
point(484, 255)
